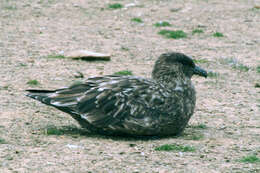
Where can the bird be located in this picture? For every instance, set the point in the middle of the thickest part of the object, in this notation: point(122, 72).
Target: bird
point(129, 105)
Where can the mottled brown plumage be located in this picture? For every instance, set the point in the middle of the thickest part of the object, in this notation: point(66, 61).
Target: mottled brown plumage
point(132, 105)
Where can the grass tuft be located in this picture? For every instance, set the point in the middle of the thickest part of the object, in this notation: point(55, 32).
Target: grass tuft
point(218, 34)
point(115, 6)
point(199, 126)
point(194, 137)
point(175, 147)
point(241, 67)
point(197, 31)
point(5, 87)
point(137, 20)
point(175, 9)
point(22, 64)
point(123, 73)
point(124, 48)
point(10, 7)
point(132, 145)
point(212, 74)
point(33, 82)
point(201, 61)
point(250, 159)
point(53, 131)
point(258, 69)
point(162, 24)
point(68, 130)
point(235, 64)
point(56, 56)
point(173, 34)
point(2, 141)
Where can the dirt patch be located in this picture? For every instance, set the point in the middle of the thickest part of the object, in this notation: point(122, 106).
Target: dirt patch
point(224, 129)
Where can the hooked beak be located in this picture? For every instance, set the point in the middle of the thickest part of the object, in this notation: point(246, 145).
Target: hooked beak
point(199, 71)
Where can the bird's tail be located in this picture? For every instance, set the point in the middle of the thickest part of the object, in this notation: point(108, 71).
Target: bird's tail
point(62, 102)
point(41, 95)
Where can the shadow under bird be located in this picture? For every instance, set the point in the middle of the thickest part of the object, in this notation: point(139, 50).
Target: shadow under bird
point(129, 105)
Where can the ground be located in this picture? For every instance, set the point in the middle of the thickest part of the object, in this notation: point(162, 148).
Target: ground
point(224, 129)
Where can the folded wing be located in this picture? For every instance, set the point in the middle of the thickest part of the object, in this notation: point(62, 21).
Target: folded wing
point(109, 102)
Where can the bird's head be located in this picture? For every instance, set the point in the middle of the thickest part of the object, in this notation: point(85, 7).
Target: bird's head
point(176, 65)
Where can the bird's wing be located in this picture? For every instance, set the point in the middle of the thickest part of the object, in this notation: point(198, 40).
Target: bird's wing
point(107, 100)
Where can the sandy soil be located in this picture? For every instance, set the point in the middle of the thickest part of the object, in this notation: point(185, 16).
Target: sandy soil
point(227, 104)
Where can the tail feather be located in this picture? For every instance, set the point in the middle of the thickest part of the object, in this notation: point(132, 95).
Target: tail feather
point(57, 98)
point(41, 95)
point(64, 100)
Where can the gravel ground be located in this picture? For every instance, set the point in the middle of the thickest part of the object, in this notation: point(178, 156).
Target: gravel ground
point(226, 124)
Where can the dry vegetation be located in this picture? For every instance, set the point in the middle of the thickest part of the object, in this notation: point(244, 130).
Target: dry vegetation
point(223, 36)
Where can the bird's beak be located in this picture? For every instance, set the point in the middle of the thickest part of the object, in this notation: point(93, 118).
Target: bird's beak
point(199, 71)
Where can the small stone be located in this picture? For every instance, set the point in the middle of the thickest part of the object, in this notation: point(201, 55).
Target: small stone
point(130, 5)
point(88, 55)
point(180, 154)
point(70, 146)
point(78, 74)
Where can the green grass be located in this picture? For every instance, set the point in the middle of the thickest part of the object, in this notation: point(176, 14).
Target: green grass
point(2, 141)
point(123, 73)
point(258, 69)
point(10, 7)
point(201, 61)
point(132, 145)
point(212, 74)
point(115, 6)
point(51, 1)
point(162, 24)
point(235, 64)
point(173, 34)
point(124, 48)
point(137, 20)
point(9, 157)
point(175, 9)
point(241, 67)
point(68, 130)
point(22, 64)
point(197, 31)
point(218, 34)
point(194, 137)
point(33, 82)
point(53, 131)
point(250, 159)
point(5, 87)
point(199, 126)
point(257, 85)
point(56, 56)
point(175, 147)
